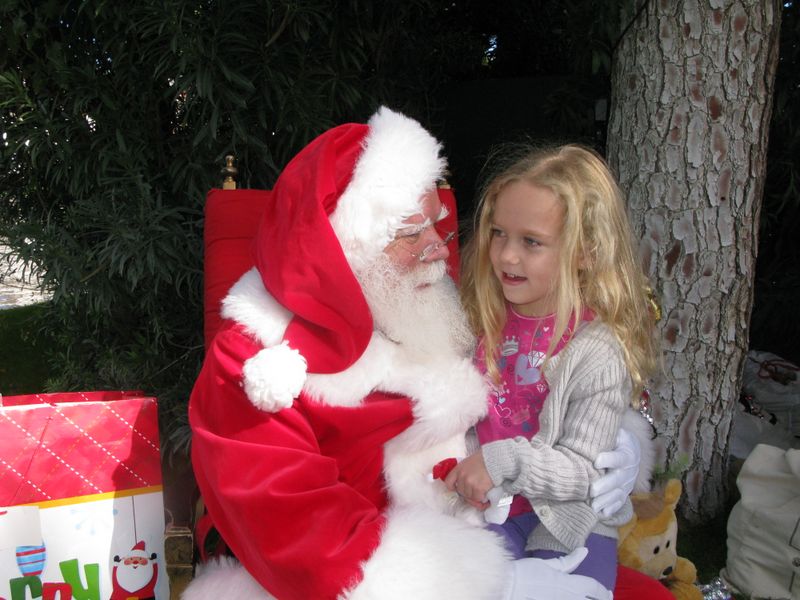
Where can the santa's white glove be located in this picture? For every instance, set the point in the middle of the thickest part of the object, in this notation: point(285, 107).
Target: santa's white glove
point(538, 579)
point(609, 492)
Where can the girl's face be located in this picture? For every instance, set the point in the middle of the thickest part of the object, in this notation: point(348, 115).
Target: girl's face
point(525, 246)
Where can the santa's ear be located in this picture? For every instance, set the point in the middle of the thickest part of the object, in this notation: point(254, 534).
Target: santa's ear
point(116, 558)
point(153, 556)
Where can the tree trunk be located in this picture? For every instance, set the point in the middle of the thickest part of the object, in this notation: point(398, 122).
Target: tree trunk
point(692, 88)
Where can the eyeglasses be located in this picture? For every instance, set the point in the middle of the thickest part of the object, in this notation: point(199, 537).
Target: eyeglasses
point(408, 242)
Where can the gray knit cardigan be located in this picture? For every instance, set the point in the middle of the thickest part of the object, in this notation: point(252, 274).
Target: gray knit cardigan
point(590, 390)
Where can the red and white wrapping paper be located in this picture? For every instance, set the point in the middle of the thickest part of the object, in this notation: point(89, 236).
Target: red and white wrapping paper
point(81, 505)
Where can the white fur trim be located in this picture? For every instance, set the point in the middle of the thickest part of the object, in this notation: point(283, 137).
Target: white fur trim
point(249, 304)
point(351, 386)
point(224, 577)
point(274, 377)
point(449, 397)
point(428, 556)
point(638, 426)
point(409, 482)
point(400, 162)
point(422, 555)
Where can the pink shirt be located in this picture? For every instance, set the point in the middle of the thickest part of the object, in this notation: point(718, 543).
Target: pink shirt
point(515, 403)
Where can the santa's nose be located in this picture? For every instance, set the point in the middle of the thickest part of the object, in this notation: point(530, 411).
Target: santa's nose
point(437, 247)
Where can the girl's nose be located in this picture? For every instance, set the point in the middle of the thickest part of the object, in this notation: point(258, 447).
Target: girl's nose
point(508, 254)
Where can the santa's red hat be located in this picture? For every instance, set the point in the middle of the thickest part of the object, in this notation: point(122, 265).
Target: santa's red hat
point(334, 208)
point(138, 550)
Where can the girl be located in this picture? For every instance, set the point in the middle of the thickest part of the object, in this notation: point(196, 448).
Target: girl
point(552, 288)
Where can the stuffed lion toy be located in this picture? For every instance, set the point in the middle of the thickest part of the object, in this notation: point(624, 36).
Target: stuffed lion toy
point(647, 542)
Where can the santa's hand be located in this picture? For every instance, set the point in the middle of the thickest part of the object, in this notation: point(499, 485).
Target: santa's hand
point(609, 492)
point(538, 579)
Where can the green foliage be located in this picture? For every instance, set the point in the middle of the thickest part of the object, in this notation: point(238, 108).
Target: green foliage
point(23, 344)
point(115, 118)
point(672, 471)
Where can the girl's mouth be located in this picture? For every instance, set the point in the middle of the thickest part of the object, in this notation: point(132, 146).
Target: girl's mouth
point(512, 279)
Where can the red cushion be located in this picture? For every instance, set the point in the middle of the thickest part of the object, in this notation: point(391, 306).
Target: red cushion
point(231, 222)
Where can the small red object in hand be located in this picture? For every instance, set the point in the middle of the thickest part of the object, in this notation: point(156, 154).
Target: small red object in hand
point(443, 467)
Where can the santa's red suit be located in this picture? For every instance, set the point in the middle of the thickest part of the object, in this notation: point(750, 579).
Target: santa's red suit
point(135, 575)
point(313, 433)
point(299, 494)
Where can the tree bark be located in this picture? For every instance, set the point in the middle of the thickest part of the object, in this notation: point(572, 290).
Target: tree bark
point(692, 87)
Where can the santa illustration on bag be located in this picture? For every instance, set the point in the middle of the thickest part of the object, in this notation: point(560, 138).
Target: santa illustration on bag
point(134, 575)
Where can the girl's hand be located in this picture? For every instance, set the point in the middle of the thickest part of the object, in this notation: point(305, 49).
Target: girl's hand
point(471, 481)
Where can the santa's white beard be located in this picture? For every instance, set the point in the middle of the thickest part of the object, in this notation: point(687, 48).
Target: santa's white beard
point(419, 309)
point(131, 579)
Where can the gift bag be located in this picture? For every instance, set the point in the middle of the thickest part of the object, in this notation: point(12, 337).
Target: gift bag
point(81, 507)
point(764, 526)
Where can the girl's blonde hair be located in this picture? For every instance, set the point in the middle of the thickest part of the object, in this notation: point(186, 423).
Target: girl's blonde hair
point(597, 269)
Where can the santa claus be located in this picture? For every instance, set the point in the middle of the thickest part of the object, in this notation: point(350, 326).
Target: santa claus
point(341, 375)
point(134, 575)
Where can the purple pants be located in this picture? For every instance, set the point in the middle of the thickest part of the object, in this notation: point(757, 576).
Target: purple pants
point(600, 564)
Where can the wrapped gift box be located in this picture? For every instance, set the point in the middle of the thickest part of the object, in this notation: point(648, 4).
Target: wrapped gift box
point(81, 505)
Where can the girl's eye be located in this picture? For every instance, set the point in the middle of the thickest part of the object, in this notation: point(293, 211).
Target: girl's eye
point(531, 242)
point(496, 232)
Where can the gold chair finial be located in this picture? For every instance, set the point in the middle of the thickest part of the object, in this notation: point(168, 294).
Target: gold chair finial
point(229, 173)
